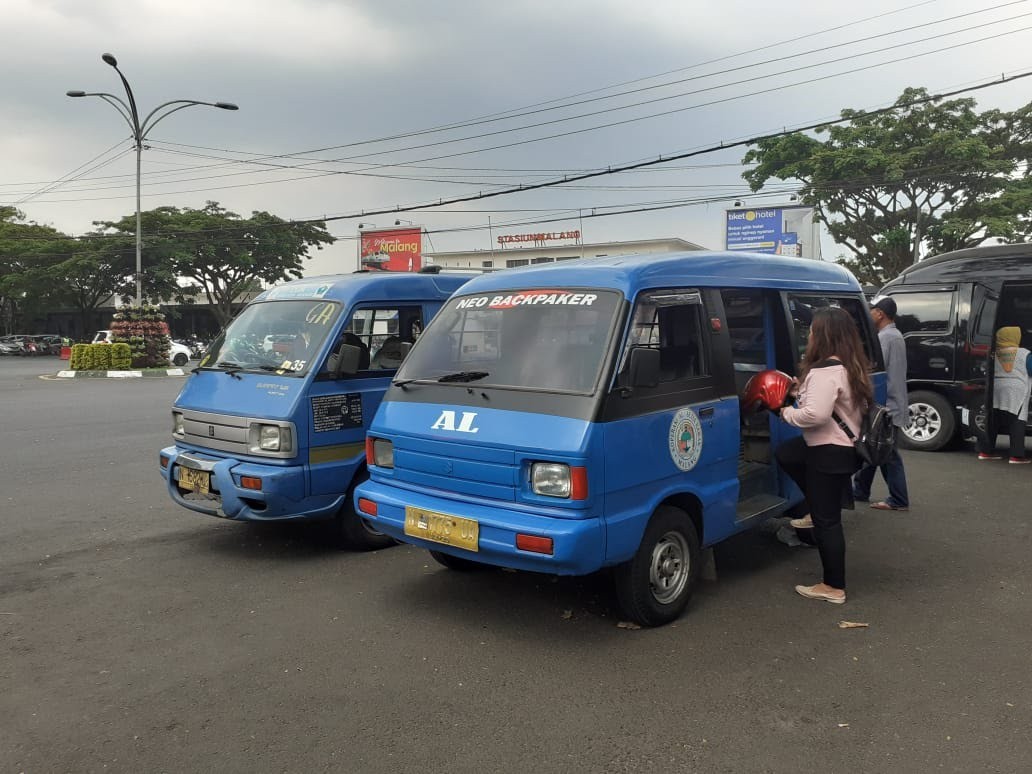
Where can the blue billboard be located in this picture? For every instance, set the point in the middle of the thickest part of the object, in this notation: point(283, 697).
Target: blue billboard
point(772, 230)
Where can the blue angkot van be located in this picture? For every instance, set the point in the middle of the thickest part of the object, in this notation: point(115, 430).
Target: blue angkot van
point(585, 415)
point(271, 425)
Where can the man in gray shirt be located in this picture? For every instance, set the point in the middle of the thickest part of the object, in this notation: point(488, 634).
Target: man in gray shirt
point(894, 350)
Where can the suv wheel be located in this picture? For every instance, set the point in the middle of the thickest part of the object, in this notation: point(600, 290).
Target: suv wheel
point(931, 422)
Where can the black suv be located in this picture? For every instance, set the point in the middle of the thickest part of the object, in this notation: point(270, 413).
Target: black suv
point(949, 308)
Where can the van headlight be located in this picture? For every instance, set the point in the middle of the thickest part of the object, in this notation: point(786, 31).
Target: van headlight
point(177, 424)
point(551, 479)
point(268, 438)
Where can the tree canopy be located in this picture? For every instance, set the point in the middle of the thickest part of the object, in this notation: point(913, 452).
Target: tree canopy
point(28, 253)
point(916, 180)
point(218, 252)
point(211, 250)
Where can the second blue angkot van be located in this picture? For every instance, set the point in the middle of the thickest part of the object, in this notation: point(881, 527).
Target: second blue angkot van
point(585, 415)
point(271, 425)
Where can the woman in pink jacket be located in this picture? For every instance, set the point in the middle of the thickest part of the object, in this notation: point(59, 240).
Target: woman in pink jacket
point(833, 381)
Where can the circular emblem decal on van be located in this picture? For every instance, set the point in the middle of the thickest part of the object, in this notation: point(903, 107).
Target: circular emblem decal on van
point(685, 439)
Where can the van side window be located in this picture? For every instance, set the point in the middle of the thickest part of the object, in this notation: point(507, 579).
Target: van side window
point(381, 333)
point(671, 322)
point(926, 312)
point(802, 308)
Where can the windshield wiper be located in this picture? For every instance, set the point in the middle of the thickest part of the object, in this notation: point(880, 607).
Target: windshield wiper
point(233, 369)
point(464, 376)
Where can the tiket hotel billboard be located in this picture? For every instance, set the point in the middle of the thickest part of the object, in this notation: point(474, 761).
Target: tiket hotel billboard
point(779, 230)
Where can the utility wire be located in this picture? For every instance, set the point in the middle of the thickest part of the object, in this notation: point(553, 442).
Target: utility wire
point(531, 186)
point(518, 113)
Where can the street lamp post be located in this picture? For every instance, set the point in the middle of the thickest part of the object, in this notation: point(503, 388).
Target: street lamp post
point(140, 129)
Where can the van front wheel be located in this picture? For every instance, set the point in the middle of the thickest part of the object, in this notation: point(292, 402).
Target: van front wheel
point(654, 587)
point(353, 529)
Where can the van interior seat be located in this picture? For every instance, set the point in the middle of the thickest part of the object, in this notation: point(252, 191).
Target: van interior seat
point(389, 355)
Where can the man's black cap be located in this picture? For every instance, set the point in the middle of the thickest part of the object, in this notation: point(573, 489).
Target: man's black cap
point(886, 305)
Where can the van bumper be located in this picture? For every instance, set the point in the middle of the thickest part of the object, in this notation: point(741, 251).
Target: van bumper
point(282, 496)
point(578, 544)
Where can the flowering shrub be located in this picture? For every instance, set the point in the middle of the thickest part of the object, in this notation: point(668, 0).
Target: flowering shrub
point(145, 332)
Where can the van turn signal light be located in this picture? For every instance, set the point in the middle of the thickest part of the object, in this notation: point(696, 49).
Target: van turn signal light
point(251, 482)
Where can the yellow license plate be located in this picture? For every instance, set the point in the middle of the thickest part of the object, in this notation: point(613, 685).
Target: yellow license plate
point(197, 480)
point(442, 528)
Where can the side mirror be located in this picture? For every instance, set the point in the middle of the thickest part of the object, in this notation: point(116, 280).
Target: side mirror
point(348, 358)
point(642, 369)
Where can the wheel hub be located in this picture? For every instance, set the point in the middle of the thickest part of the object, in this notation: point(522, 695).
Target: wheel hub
point(668, 569)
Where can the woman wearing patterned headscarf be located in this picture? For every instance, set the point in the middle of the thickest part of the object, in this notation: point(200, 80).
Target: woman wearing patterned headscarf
point(1011, 387)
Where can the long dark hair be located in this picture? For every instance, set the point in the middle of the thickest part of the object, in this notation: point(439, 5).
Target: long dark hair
point(833, 333)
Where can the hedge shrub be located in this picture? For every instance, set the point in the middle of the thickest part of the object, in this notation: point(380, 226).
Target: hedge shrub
point(121, 357)
point(82, 358)
point(101, 357)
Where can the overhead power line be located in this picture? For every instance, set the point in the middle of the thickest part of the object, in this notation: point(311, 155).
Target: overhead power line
point(677, 157)
point(518, 112)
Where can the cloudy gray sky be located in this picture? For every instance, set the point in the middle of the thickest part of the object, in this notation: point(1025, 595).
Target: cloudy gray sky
point(322, 83)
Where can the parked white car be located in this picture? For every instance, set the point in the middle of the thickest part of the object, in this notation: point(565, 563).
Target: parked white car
point(178, 354)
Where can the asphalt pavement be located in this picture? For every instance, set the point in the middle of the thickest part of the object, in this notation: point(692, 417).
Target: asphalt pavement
point(138, 636)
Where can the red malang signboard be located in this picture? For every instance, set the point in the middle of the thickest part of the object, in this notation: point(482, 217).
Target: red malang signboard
point(394, 249)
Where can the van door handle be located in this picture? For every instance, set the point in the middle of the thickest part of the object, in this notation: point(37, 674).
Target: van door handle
point(937, 362)
point(706, 413)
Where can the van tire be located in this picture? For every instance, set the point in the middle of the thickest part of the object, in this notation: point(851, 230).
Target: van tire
point(180, 359)
point(654, 587)
point(932, 422)
point(353, 530)
point(456, 563)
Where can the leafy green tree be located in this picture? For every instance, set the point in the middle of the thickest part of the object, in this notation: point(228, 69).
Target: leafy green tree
point(918, 179)
point(28, 251)
point(94, 270)
point(218, 252)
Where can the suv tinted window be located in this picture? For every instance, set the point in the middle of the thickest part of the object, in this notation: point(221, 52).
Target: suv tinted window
point(924, 312)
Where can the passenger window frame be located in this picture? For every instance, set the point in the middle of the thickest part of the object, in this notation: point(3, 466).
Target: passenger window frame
point(951, 321)
point(861, 315)
point(409, 314)
point(667, 298)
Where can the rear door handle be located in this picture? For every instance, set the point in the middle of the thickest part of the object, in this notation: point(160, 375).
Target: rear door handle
point(937, 362)
point(706, 412)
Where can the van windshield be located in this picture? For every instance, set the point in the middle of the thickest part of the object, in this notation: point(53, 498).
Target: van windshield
point(547, 339)
point(278, 336)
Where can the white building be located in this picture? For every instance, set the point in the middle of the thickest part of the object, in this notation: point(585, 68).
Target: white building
point(540, 252)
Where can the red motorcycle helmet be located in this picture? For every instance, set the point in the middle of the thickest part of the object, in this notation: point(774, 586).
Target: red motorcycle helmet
point(767, 389)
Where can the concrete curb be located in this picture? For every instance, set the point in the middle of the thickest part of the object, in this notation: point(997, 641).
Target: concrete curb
point(159, 373)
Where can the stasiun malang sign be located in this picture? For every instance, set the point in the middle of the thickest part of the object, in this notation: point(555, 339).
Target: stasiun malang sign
point(548, 236)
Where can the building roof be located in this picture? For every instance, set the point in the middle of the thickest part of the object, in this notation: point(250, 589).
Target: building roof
point(683, 244)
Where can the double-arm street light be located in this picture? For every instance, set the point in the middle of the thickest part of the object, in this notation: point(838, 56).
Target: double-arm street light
point(140, 129)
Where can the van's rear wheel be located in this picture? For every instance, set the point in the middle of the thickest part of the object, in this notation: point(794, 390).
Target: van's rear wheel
point(654, 587)
point(931, 422)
